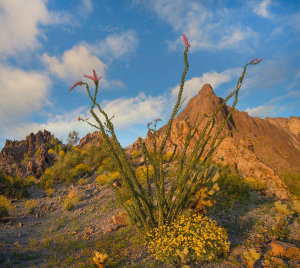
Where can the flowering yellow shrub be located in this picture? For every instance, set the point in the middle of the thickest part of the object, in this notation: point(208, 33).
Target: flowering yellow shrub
point(30, 180)
point(135, 154)
point(48, 171)
point(82, 181)
point(100, 169)
point(61, 154)
point(5, 206)
point(204, 239)
point(83, 167)
point(255, 183)
point(141, 173)
point(107, 178)
point(51, 151)
point(83, 152)
point(49, 192)
point(30, 206)
point(167, 156)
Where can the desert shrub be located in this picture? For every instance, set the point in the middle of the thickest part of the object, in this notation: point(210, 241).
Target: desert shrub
point(96, 154)
point(107, 178)
point(30, 206)
point(51, 151)
point(72, 138)
point(82, 169)
point(100, 169)
point(292, 180)
point(141, 173)
point(83, 152)
point(233, 189)
point(5, 206)
point(62, 170)
point(109, 164)
point(61, 154)
point(255, 183)
point(136, 154)
point(12, 187)
point(74, 196)
point(167, 156)
point(50, 192)
point(81, 181)
point(30, 180)
point(203, 238)
point(69, 204)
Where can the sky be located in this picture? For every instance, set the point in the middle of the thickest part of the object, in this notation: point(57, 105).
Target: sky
point(136, 47)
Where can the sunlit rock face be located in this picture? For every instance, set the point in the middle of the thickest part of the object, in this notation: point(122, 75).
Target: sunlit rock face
point(259, 149)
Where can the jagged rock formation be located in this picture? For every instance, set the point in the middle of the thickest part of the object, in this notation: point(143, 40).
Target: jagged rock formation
point(259, 149)
point(27, 157)
point(90, 139)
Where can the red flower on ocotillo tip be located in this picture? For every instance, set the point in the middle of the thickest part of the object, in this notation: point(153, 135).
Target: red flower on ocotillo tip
point(94, 77)
point(185, 41)
point(75, 85)
point(149, 124)
point(257, 61)
point(157, 120)
point(79, 118)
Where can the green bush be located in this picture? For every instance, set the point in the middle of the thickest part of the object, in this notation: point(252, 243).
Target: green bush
point(187, 239)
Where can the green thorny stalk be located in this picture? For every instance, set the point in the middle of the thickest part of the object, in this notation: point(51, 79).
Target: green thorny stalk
point(191, 174)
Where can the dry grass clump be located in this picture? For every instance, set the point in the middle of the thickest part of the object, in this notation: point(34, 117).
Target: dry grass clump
point(203, 238)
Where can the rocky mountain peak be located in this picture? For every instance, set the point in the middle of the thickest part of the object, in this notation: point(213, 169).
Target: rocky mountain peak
point(260, 149)
point(27, 157)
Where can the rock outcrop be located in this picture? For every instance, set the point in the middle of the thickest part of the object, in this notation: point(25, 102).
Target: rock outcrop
point(260, 149)
point(27, 157)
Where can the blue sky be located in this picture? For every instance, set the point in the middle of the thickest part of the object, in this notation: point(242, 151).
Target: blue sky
point(136, 46)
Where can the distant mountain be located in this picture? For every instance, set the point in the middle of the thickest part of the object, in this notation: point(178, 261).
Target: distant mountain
point(260, 149)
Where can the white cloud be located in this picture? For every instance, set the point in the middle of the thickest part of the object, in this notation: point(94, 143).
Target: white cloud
point(261, 9)
point(115, 45)
point(20, 21)
point(74, 63)
point(263, 111)
point(267, 74)
point(192, 86)
point(134, 111)
point(128, 114)
point(206, 27)
point(22, 93)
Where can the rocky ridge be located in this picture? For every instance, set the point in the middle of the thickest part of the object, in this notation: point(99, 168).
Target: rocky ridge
point(27, 157)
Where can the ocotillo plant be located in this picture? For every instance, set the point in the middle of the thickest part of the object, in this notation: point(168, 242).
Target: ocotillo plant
point(191, 174)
